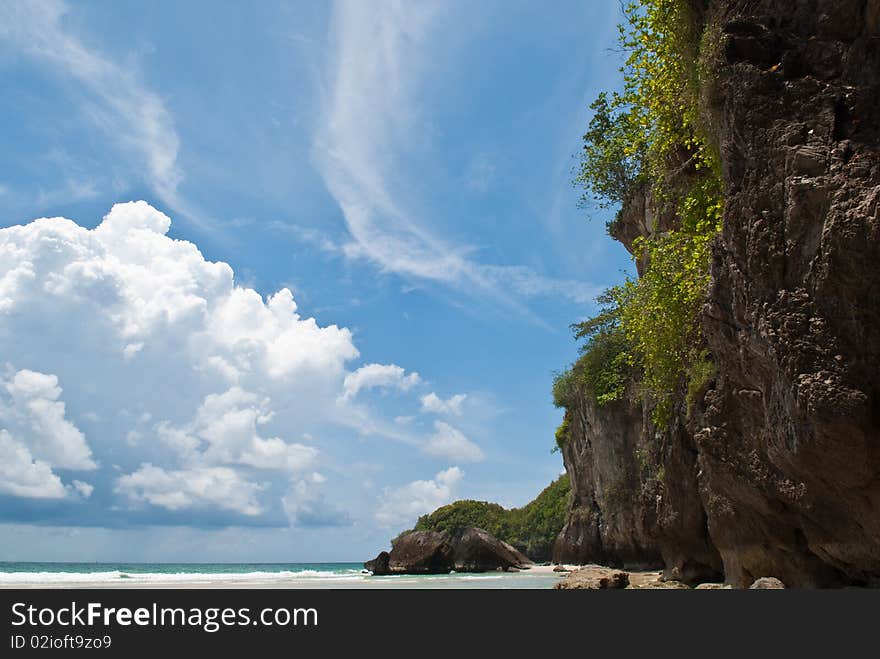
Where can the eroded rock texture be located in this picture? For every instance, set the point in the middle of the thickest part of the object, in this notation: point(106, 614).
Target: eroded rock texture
point(790, 439)
point(776, 469)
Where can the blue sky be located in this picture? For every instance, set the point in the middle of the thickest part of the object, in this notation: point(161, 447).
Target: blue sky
point(343, 298)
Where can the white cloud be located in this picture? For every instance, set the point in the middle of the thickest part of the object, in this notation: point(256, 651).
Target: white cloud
point(36, 437)
point(146, 289)
point(449, 442)
point(225, 432)
point(84, 489)
point(116, 101)
point(219, 487)
point(364, 149)
point(156, 344)
point(34, 412)
point(378, 375)
point(404, 504)
point(22, 476)
point(191, 386)
point(434, 404)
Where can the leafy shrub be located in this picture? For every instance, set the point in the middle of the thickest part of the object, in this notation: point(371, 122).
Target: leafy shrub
point(562, 433)
point(605, 366)
point(650, 133)
point(612, 161)
point(565, 388)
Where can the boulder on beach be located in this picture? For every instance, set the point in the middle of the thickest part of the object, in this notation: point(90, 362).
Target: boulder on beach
point(476, 550)
point(379, 565)
point(468, 549)
point(421, 552)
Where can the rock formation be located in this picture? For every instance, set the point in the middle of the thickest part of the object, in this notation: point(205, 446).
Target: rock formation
point(775, 470)
point(467, 549)
point(789, 441)
point(475, 550)
point(635, 501)
point(767, 583)
point(379, 565)
point(421, 552)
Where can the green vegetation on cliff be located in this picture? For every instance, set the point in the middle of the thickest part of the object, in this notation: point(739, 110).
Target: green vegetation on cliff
point(649, 140)
point(532, 529)
point(604, 367)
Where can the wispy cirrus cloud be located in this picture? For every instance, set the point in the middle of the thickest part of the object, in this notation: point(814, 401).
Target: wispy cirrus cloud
point(364, 150)
point(134, 117)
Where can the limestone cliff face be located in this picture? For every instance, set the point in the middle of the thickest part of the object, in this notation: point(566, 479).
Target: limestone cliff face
point(612, 520)
point(635, 502)
point(635, 497)
point(790, 439)
point(776, 470)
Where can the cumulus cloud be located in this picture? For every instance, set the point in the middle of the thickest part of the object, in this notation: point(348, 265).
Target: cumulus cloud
point(225, 431)
point(191, 488)
point(168, 361)
point(378, 375)
point(22, 476)
point(36, 437)
point(195, 393)
point(405, 504)
point(434, 404)
point(83, 489)
point(34, 412)
point(449, 442)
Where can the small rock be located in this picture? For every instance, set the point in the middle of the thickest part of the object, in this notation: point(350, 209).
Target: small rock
point(594, 578)
point(713, 586)
point(767, 583)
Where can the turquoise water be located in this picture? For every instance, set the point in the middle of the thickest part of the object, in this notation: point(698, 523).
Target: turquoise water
point(249, 575)
point(179, 568)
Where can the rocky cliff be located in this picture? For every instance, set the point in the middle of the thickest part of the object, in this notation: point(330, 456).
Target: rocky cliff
point(635, 490)
point(774, 469)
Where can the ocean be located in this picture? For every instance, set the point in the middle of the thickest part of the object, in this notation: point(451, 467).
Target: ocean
point(252, 575)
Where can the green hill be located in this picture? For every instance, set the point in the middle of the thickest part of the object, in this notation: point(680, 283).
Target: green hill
point(531, 529)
